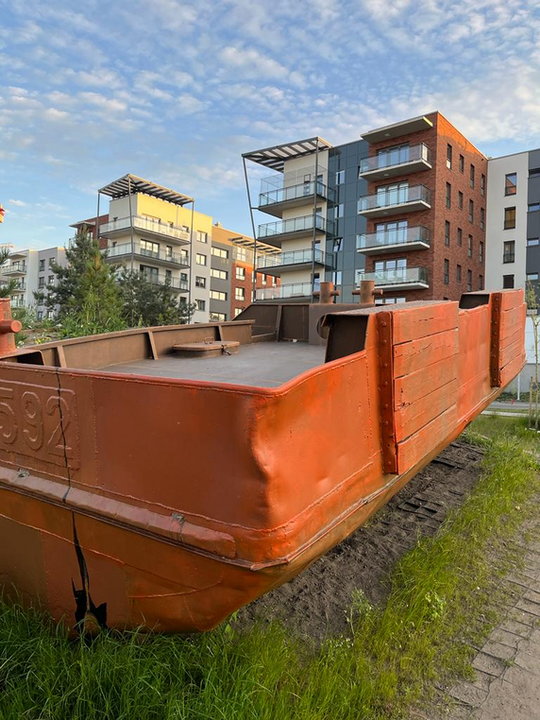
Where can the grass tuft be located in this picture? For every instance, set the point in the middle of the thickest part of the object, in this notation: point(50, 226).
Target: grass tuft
point(444, 598)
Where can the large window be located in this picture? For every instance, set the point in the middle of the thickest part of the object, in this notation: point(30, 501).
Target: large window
point(200, 304)
point(217, 317)
point(240, 273)
point(509, 218)
point(392, 232)
point(509, 251)
point(200, 259)
point(393, 194)
point(393, 269)
point(219, 274)
point(220, 252)
point(149, 248)
point(239, 293)
point(340, 177)
point(218, 295)
point(510, 184)
point(200, 282)
point(202, 236)
point(150, 273)
point(393, 155)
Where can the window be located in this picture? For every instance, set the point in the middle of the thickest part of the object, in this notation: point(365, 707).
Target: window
point(51, 261)
point(469, 245)
point(184, 257)
point(482, 218)
point(393, 194)
point(41, 281)
point(149, 248)
point(471, 176)
point(532, 277)
point(482, 184)
point(447, 233)
point(338, 278)
point(446, 272)
point(461, 163)
point(218, 317)
point(510, 184)
point(340, 177)
point(263, 279)
point(449, 157)
point(168, 252)
point(469, 280)
point(533, 207)
point(480, 282)
point(481, 251)
point(220, 252)
point(200, 304)
point(508, 281)
point(392, 269)
point(218, 295)
point(239, 293)
point(240, 273)
point(471, 211)
point(509, 251)
point(183, 278)
point(50, 279)
point(241, 254)
point(458, 273)
point(337, 244)
point(459, 237)
point(460, 200)
point(389, 300)
point(200, 258)
point(338, 211)
point(168, 276)
point(42, 265)
point(219, 274)
point(200, 282)
point(150, 273)
point(237, 311)
point(392, 233)
point(509, 218)
point(448, 195)
point(532, 242)
point(202, 236)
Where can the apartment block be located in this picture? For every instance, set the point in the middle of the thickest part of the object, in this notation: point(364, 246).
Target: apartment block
point(513, 221)
point(405, 206)
point(31, 269)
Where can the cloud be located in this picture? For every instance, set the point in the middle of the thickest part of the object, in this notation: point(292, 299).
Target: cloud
point(18, 203)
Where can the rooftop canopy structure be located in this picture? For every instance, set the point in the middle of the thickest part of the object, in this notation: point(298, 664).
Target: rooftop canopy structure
point(274, 157)
point(132, 184)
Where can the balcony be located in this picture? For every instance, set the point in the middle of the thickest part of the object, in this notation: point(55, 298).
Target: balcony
point(159, 257)
point(283, 292)
point(20, 287)
point(14, 269)
point(401, 161)
point(147, 225)
point(377, 243)
point(294, 260)
point(400, 279)
point(175, 284)
point(275, 232)
point(274, 201)
point(394, 201)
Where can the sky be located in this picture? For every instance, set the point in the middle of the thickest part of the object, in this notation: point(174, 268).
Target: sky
point(176, 90)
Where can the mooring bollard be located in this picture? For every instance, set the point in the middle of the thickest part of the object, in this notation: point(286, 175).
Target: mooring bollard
point(367, 292)
point(326, 294)
point(8, 327)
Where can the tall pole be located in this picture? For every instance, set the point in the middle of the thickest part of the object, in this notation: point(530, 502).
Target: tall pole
point(97, 220)
point(314, 235)
point(190, 268)
point(131, 226)
point(254, 273)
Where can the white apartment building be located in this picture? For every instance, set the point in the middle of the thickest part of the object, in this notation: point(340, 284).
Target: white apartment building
point(31, 269)
point(297, 193)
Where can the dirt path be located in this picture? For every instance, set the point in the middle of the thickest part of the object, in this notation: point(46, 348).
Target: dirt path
point(316, 603)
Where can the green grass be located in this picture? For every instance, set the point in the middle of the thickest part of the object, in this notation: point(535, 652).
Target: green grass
point(506, 428)
point(389, 660)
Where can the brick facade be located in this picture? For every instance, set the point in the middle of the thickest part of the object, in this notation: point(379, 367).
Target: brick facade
point(436, 139)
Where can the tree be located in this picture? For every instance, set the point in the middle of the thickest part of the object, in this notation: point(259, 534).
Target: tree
point(85, 294)
point(146, 303)
point(6, 286)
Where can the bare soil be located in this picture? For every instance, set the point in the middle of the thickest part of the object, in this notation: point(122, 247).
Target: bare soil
point(316, 604)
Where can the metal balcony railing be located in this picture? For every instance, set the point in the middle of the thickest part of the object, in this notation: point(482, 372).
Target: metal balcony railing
point(176, 284)
point(399, 156)
point(395, 196)
point(293, 257)
point(295, 192)
point(293, 225)
point(400, 236)
point(13, 268)
point(142, 223)
point(125, 249)
point(280, 292)
point(400, 276)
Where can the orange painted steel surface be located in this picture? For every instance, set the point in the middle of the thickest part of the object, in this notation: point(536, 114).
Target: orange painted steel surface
point(168, 503)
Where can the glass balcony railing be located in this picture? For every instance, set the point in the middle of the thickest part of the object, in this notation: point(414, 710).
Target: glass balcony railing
point(125, 249)
point(280, 292)
point(295, 192)
point(414, 195)
point(139, 222)
point(398, 156)
point(294, 257)
point(176, 284)
point(13, 268)
point(389, 238)
point(294, 225)
point(399, 276)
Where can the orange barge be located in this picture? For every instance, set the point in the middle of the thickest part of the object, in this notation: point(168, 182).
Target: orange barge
point(146, 483)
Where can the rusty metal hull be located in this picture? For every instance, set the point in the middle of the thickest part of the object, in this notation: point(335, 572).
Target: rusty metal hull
point(128, 500)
